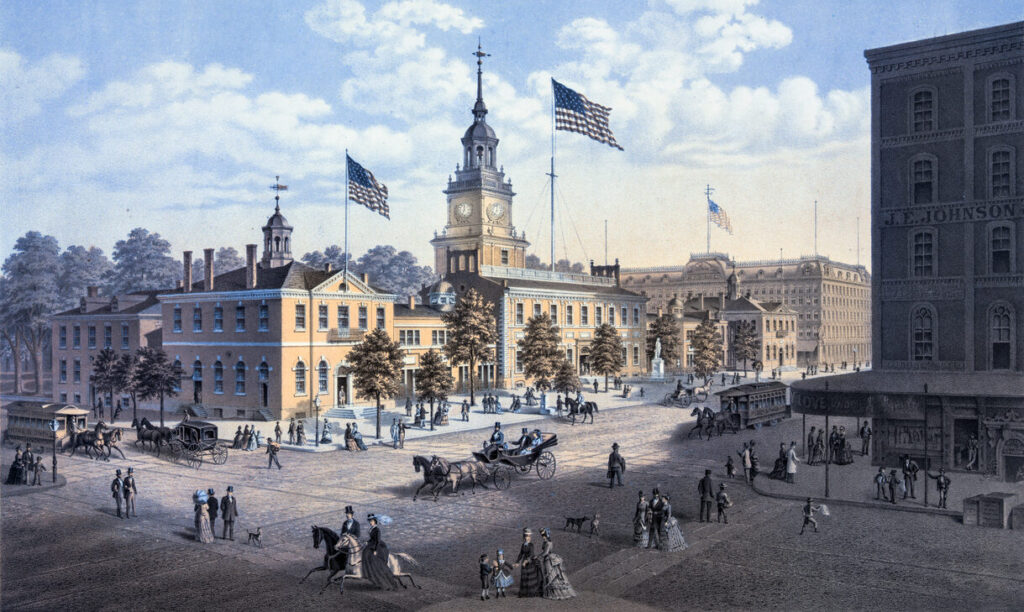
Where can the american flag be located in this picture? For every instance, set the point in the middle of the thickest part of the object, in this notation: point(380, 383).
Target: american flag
point(718, 216)
point(364, 189)
point(575, 113)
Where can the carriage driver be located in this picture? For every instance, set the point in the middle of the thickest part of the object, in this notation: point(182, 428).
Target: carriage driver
point(497, 439)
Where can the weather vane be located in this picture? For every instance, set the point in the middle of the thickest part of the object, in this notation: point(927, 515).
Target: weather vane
point(278, 188)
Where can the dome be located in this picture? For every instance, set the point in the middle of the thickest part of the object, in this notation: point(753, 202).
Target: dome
point(277, 220)
point(675, 303)
point(479, 131)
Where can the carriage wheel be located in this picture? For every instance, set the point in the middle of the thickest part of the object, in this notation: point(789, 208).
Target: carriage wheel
point(702, 395)
point(176, 448)
point(220, 455)
point(502, 478)
point(546, 465)
point(685, 401)
point(667, 400)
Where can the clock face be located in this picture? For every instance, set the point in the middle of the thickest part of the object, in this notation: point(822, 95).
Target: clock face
point(462, 211)
point(496, 211)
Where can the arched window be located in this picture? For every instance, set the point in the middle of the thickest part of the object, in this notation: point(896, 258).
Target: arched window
point(197, 371)
point(287, 246)
point(922, 253)
point(300, 378)
point(218, 377)
point(277, 243)
point(922, 110)
point(1001, 175)
point(923, 180)
point(922, 339)
point(1001, 248)
point(264, 372)
point(1000, 97)
point(322, 372)
point(1001, 319)
point(240, 378)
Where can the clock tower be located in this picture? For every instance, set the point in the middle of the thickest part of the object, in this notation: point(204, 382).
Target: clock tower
point(479, 228)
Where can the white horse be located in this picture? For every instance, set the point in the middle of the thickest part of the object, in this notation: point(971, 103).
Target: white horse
point(354, 568)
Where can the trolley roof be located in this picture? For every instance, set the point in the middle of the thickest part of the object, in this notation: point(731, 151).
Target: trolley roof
point(751, 388)
point(40, 410)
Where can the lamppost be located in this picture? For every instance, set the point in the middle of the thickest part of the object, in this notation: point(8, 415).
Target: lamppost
point(54, 425)
point(316, 426)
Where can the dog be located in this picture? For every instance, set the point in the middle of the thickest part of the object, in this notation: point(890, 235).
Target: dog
point(256, 539)
point(594, 525)
point(575, 523)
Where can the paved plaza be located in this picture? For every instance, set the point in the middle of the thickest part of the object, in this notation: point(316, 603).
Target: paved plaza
point(64, 547)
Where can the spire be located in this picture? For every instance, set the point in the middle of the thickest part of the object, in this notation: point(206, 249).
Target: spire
point(479, 109)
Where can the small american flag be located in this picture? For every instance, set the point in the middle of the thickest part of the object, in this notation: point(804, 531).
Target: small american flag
point(575, 113)
point(364, 189)
point(718, 216)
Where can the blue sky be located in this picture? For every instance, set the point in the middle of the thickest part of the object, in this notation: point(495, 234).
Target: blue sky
point(177, 117)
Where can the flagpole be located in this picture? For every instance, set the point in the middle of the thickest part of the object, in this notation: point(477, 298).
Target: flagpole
point(552, 175)
point(707, 194)
point(346, 222)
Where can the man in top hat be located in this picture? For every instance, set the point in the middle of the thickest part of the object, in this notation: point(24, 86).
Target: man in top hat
point(277, 432)
point(272, 450)
point(894, 484)
point(706, 489)
point(616, 466)
point(942, 483)
point(497, 437)
point(657, 508)
point(228, 513)
point(117, 491)
point(865, 438)
point(723, 501)
point(524, 440)
point(291, 431)
point(129, 493)
point(212, 507)
point(351, 525)
point(910, 470)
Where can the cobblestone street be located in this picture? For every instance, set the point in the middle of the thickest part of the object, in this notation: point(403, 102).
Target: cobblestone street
point(64, 547)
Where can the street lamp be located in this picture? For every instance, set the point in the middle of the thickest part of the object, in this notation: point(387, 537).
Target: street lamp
point(316, 426)
point(54, 426)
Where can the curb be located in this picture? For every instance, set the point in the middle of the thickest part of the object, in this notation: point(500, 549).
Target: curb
point(860, 504)
point(18, 490)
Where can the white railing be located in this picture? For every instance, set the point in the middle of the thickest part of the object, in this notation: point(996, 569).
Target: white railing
point(546, 275)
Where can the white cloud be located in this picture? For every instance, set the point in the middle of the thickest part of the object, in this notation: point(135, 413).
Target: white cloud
point(25, 86)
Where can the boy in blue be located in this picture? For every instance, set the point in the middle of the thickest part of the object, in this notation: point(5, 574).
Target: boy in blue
point(485, 577)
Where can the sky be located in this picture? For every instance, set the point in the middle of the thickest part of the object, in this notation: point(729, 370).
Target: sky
point(177, 116)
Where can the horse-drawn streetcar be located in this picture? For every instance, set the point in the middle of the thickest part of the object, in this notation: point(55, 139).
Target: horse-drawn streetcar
point(194, 440)
point(757, 404)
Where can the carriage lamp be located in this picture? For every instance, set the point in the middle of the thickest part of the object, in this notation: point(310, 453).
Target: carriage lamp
point(54, 426)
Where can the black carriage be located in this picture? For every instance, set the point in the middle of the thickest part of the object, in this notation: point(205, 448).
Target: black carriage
point(195, 440)
point(505, 463)
point(757, 404)
point(685, 397)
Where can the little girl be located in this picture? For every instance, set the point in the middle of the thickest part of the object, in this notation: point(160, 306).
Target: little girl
point(730, 469)
point(502, 574)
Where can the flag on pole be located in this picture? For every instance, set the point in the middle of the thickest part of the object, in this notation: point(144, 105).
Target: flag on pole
point(364, 189)
point(718, 216)
point(575, 113)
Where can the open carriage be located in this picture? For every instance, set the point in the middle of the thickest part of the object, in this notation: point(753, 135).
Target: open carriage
point(685, 396)
point(505, 462)
point(194, 440)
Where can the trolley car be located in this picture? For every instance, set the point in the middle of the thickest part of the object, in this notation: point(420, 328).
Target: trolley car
point(757, 404)
point(30, 421)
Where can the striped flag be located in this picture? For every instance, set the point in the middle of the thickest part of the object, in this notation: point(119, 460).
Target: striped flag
point(364, 189)
point(718, 216)
point(575, 113)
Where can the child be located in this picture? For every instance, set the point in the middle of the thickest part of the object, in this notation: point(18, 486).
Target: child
point(730, 469)
point(36, 468)
point(485, 577)
point(723, 502)
point(502, 574)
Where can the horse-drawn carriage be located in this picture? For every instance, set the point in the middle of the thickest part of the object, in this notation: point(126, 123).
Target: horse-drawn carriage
point(757, 404)
point(506, 462)
point(683, 397)
point(194, 440)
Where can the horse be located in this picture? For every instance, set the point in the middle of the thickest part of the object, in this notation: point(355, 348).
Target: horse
point(728, 417)
point(467, 467)
point(587, 409)
point(91, 440)
point(705, 422)
point(433, 476)
point(343, 556)
point(110, 439)
point(147, 432)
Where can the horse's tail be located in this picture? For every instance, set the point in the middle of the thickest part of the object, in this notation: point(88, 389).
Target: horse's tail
point(407, 558)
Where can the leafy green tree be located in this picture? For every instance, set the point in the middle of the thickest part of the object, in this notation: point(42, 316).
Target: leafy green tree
point(745, 344)
point(471, 334)
point(433, 380)
point(566, 381)
point(142, 262)
point(333, 255)
point(395, 271)
point(128, 374)
point(541, 355)
point(80, 268)
point(377, 367)
point(707, 350)
point(666, 328)
point(606, 352)
point(11, 331)
point(158, 376)
point(225, 260)
point(534, 263)
point(104, 373)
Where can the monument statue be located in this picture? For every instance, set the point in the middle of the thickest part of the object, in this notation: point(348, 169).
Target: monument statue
point(657, 348)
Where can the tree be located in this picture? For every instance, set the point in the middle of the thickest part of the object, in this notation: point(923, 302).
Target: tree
point(393, 271)
point(104, 376)
point(158, 376)
point(606, 352)
point(433, 380)
point(31, 294)
point(142, 263)
point(566, 381)
point(564, 265)
point(541, 356)
point(333, 255)
point(226, 260)
point(81, 268)
point(377, 367)
point(128, 375)
point(471, 332)
point(707, 350)
point(534, 263)
point(11, 331)
point(745, 344)
point(666, 328)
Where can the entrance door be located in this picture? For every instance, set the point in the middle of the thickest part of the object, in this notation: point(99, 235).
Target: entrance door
point(342, 387)
point(197, 393)
point(264, 395)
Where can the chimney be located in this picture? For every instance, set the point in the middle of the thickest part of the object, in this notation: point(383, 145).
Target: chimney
point(365, 278)
point(701, 298)
point(721, 301)
point(412, 302)
point(250, 266)
point(208, 269)
point(92, 291)
point(327, 267)
point(186, 285)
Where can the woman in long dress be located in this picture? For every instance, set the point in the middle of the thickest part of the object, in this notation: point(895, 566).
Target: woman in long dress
point(530, 584)
point(204, 533)
point(556, 585)
point(326, 437)
point(237, 443)
point(640, 522)
point(671, 537)
point(17, 472)
point(253, 441)
point(375, 558)
point(246, 436)
point(779, 469)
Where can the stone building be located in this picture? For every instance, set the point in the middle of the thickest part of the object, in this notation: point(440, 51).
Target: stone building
point(947, 221)
point(832, 300)
point(480, 248)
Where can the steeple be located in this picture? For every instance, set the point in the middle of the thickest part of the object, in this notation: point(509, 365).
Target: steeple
point(277, 234)
point(479, 144)
point(479, 109)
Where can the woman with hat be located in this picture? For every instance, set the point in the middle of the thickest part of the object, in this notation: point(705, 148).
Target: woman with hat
point(671, 537)
point(502, 574)
point(530, 581)
point(375, 558)
point(204, 533)
point(640, 522)
point(556, 585)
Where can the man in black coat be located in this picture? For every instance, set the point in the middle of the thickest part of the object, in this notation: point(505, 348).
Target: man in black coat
point(616, 466)
point(212, 507)
point(910, 470)
point(351, 525)
point(228, 513)
point(706, 488)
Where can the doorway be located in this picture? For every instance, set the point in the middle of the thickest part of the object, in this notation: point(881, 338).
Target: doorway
point(264, 395)
point(197, 392)
point(342, 387)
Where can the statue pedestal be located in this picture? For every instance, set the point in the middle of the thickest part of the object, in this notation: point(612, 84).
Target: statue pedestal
point(657, 368)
